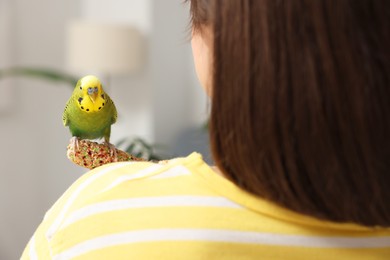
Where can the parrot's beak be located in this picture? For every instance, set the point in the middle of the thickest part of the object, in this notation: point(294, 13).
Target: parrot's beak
point(93, 97)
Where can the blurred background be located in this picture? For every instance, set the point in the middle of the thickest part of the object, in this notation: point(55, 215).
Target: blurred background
point(152, 81)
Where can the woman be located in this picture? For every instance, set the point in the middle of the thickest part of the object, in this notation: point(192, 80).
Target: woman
point(300, 136)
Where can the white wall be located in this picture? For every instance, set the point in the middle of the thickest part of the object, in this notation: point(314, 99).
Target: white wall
point(156, 104)
point(5, 53)
point(171, 69)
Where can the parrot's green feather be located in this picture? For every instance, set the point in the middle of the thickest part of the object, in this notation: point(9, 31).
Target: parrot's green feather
point(65, 114)
point(83, 119)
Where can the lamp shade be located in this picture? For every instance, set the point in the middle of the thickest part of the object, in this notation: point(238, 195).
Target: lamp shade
point(104, 48)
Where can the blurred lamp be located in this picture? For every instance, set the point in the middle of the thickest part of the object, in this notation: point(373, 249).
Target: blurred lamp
point(103, 48)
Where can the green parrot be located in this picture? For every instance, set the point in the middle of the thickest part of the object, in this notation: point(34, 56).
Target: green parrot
point(89, 112)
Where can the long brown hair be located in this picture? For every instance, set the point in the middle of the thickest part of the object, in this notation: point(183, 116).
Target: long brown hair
point(301, 103)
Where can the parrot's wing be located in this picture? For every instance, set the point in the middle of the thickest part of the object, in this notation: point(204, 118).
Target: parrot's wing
point(115, 115)
point(114, 112)
point(65, 119)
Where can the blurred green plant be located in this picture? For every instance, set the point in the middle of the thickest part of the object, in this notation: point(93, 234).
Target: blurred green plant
point(135, 146)
point(142, 149)
point(48, 74)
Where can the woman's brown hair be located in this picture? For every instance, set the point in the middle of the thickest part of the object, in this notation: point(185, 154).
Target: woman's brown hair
point(301, 103)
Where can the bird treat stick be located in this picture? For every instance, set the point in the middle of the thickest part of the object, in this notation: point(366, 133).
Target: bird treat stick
point(89, 154)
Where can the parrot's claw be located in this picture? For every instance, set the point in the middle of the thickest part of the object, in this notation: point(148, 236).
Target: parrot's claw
point(112, 151)
point(74, 145)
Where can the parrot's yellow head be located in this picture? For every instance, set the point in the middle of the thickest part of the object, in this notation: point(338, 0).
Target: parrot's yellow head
point(90, 94)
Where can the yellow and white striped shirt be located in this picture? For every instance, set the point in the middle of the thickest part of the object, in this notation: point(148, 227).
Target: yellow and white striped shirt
point(183, 210)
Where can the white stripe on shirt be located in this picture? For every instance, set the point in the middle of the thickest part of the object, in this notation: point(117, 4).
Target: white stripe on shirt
point(57, 222)
point(225, 236)
point(169, 201)
point(32, 253)
point(173, 172)
point(140, 174)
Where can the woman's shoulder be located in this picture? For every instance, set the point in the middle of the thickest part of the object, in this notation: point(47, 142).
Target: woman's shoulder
point(139, 178)
point(136, 171)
